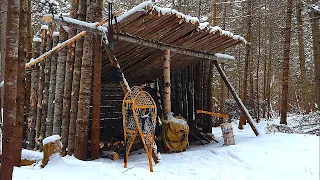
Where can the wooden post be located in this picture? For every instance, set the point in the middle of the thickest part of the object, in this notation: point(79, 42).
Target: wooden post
point(52, 86)
point(41, 84)
point(20, 102)
point(33, 99)
point(95, 128)
point(61, 67)
point(166, 75)
point(47, 72)
point(10, 91)
point(243, 109)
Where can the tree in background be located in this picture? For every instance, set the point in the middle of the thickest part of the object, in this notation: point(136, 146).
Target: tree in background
point(285, 71)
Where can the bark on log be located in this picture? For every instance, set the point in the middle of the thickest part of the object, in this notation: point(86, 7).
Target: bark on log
point(110, 155)
point(47, 74)
point(166, 75)
point(52, 89)
point(236, 98)
point(10, 90)
point(76, 81)
point(57, 48)
point(28, 73)
point(81, 139)
point(40, 87)
point(96, 98)
point(61, 67)
point(20, 103)
point(68, 81)
point(33, 100)
point(67, 92)
point(95, 128)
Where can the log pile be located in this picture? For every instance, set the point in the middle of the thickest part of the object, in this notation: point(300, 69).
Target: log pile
point(199, 135)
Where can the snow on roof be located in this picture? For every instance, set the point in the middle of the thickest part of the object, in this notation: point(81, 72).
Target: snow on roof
point(148, 5)
point(224, 56)
point(50, 139)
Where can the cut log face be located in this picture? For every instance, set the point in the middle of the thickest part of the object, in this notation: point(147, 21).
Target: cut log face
point(110, 155)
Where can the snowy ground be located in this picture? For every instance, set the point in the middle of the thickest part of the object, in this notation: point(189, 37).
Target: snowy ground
point(269, 156)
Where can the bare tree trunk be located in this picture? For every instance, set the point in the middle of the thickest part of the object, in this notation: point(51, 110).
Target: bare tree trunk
point(166, 76)
point(76, 81)
point(52, 87)
point(257, 72)
point(214, 13)
point(316, 52)
point(61, 68)
point(33, 100)
point(246, 66)
point(199, 8)
point(68, 82)
point(286, 58)
point(302, 59)
point(264, 96)
point(10, 127)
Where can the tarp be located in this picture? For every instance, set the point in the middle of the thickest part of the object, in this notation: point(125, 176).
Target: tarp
point(175, 133)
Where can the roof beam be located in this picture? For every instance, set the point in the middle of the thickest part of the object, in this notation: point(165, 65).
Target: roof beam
point(172, 48)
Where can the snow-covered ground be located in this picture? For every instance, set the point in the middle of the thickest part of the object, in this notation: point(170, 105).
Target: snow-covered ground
point(269, 156)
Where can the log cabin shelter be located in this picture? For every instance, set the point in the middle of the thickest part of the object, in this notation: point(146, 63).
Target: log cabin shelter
point(143, 39)
point(144, 33)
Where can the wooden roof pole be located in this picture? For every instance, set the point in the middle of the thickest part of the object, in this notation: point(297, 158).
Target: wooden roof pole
point(55, 49)
point(166, 75)
point(243, 109)
point(163, 46)
point(60, 46)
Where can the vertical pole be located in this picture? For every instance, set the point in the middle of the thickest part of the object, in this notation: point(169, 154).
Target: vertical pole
point(10, 91)
point(96, 98)
point(243, 109)
point(41, 85)
point(166, 75)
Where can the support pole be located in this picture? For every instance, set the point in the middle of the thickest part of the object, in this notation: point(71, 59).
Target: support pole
point(166, 75)
point(243, 109)
point(96, 97)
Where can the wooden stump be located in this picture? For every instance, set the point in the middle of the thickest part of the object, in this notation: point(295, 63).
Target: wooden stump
point(51, 145)
point(228, 135)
